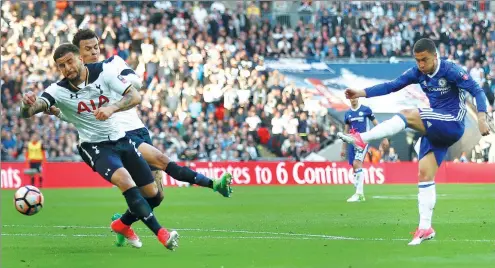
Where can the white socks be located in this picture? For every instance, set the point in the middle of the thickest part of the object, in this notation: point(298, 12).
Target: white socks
point(359, 180)
point(386, 128)
point(427, 197)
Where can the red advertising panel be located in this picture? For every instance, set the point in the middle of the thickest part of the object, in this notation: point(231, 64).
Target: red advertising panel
point(78, 175)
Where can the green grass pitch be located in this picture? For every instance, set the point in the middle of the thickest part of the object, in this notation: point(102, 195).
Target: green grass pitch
point(279, 226)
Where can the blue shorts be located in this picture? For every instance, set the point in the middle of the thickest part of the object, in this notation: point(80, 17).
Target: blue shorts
point(140, 136)
point(356, 154)
point(108, 156)
point(443, 129)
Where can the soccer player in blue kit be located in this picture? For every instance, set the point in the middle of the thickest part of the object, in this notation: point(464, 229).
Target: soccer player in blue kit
point(356, 120)
point(441, 125)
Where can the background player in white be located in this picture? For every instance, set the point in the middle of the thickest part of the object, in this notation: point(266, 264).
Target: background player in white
point(83, 97)
point(442, 125)
point(356, 119)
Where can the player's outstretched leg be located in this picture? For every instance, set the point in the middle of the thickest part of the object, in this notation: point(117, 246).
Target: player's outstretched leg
point(385, 129)
point(157, 159)
point(426, 199)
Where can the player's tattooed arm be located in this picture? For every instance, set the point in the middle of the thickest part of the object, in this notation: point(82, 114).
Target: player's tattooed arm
point(130, 99)
point(29, 110)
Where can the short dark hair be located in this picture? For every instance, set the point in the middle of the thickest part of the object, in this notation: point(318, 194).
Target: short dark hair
point(83, 34)
point(64, 49)
point(425, 44)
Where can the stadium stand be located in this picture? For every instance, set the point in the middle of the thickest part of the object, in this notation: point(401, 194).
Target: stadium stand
point(208, 94)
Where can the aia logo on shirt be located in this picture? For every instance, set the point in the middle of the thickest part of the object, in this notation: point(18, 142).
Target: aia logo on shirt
point(83, 107)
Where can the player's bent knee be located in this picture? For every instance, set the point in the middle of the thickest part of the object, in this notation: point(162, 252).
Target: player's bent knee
point(163, 160)
point(149, 190)
point(122, 179)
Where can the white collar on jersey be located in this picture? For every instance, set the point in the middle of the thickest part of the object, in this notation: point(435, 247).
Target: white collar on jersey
point(438, 66)
point(359, 106)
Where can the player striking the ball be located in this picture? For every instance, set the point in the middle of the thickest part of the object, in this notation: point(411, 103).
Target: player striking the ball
point(441, 125)
point(129, 121)
point(84, 98)
point(356, 120)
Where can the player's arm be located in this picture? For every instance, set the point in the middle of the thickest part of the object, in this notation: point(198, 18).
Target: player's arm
point(407, 78)
point(117, 83)
point(31, 105)
point(464, 81)
point(130, 99)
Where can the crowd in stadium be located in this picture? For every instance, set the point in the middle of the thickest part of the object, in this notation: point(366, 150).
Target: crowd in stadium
point(208, 94)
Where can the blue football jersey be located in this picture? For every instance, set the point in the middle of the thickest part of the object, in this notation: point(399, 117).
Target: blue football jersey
point(358, 119)
point(445, 88)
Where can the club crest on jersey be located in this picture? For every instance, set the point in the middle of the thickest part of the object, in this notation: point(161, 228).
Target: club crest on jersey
point(360, 113)
point(83, 107)
point(99, 88)
point(442, 82)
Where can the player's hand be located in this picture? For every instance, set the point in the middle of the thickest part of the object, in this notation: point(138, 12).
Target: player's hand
point(29, 98)
point(103, 113)
point(354, 93)
point(53, 111)
point(342, 154)
point(484, 128)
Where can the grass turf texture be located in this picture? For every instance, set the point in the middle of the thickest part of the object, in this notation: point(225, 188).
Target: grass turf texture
point(287, 226)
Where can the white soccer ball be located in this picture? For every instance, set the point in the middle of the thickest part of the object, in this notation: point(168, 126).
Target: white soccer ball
point(28, 200)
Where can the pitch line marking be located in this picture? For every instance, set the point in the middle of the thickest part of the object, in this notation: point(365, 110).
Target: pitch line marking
point(274, 235)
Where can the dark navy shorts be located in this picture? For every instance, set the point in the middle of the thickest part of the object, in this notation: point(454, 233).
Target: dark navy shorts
point(443, 129)
point(140, 136)
point(108, 156)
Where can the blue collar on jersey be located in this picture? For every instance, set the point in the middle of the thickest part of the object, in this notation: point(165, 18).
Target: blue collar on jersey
point(93, 71)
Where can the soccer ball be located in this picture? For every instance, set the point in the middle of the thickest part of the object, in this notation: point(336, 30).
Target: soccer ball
point(28, 200)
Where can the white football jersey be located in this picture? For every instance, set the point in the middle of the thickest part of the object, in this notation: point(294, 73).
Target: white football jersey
point(78, 104)
point(127, 120)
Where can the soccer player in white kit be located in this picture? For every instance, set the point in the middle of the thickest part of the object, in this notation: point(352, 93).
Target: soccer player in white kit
point(83, 96)
point(129, 121)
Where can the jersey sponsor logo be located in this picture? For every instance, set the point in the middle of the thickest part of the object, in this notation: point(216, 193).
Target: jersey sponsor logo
point(359, 119)
point(73, 96)
point(83, 107)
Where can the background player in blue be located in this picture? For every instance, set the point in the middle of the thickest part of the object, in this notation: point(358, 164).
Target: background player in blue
point(356, 120)
point(441, 125)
